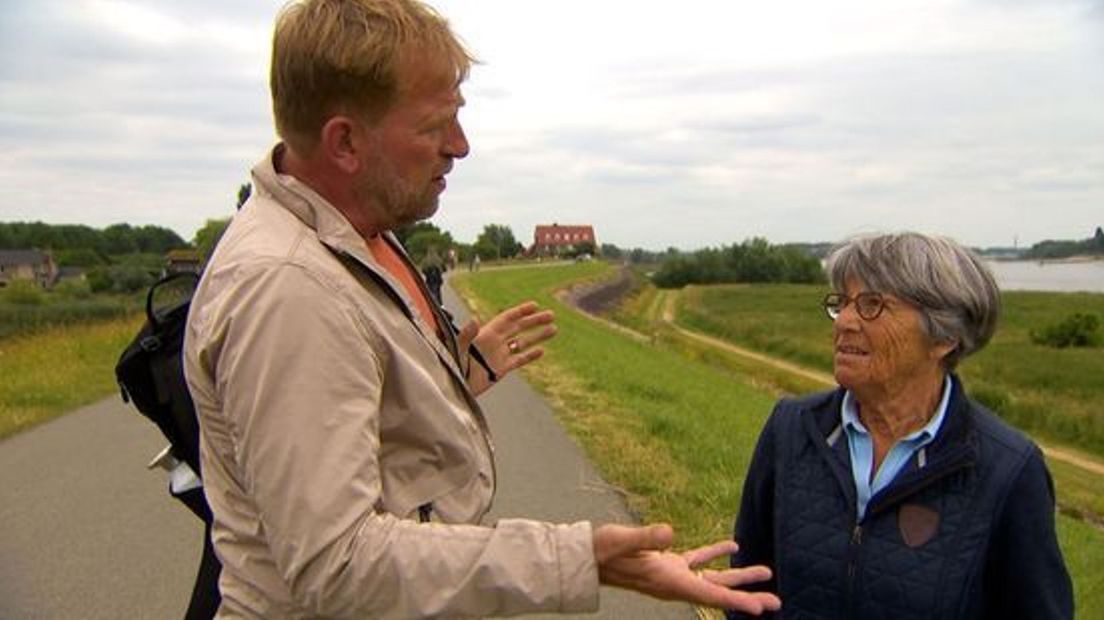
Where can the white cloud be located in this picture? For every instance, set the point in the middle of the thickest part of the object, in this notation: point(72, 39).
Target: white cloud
point(146, 26)
point(692, 124)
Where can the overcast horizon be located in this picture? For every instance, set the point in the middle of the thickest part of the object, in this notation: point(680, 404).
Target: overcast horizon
point(701, 126)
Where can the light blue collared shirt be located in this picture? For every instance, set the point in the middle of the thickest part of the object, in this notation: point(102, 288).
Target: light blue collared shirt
point(861, 447)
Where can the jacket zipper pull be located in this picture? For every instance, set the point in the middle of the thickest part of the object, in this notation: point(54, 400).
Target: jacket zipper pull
point(856, 540)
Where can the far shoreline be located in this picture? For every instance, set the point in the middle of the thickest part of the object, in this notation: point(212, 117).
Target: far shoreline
point(1079, 258)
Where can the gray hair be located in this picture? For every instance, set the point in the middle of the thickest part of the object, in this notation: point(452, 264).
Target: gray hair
point(956, 293)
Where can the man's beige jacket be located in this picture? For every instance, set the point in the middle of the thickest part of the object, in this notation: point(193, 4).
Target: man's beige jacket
point(332, 420)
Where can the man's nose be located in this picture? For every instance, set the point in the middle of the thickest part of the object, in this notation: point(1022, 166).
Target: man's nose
point(456, 146)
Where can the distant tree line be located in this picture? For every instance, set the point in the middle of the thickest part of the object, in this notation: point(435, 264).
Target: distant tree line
point(495, 242)
point(419, 237)
point(636, 256)
point(1064, 249)
point(119, 258)
point(754, 260)
point(84, 246)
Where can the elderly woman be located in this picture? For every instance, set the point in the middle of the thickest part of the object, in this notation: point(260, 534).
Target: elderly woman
point(895, 495)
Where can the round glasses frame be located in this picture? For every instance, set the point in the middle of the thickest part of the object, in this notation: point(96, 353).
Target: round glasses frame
point(869, 305)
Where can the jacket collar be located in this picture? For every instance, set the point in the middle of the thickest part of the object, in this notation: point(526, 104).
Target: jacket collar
point(309, 206)
point(954, 447)
point(955, 429)
point(335, 232)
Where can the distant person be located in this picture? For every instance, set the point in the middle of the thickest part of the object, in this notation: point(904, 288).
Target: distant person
point(345, 457)
point(473, 262)
point(451, 258)
point(896, 495)
point(433, 272)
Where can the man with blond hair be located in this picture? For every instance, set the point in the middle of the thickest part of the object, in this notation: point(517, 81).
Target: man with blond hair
point(345, 457)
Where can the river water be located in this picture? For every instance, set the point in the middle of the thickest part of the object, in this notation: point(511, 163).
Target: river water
point(1021, 275)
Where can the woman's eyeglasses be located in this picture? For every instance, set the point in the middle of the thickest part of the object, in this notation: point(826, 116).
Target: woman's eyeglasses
point(869, 305)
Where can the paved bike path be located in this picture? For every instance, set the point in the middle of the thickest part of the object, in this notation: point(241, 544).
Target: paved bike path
point(86, 531)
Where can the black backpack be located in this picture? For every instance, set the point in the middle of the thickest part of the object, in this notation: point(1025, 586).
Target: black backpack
point(150, 373)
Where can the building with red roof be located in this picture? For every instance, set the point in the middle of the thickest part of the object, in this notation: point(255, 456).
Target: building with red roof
point(559, 239)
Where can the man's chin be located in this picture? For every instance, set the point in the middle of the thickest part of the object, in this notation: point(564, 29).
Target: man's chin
point(427, 209)
point(430, 210)
point(423, 211)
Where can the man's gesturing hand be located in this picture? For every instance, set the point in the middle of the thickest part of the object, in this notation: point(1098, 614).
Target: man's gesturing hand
point(638, 558)
point(510, 340)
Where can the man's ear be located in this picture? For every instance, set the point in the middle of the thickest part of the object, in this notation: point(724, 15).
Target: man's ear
point(342, 144)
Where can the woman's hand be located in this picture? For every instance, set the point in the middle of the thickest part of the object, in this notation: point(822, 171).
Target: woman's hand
point(510, 340)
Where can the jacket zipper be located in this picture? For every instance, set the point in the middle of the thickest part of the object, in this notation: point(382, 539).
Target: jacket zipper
point(484, 431)
point(953, 464)
point(855, 546)
point(853, 556)
point(453, 347)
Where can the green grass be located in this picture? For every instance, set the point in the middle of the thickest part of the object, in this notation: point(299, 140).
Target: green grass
point(642, 308)
point(674, 424)
point(58, 349)
point(668, 430)
point(51, 372)
point(1083, 548)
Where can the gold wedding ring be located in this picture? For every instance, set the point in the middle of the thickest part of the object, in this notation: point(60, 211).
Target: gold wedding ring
point(513, 346)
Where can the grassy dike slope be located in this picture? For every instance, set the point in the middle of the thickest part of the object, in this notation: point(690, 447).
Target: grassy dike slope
point(676, 434)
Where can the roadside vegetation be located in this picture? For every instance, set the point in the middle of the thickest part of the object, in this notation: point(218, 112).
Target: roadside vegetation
point(58, 349)
point(26, 308)
point(48, 373)
point(674, 423)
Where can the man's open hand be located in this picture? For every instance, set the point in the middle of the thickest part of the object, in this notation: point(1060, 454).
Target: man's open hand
point(637, 558)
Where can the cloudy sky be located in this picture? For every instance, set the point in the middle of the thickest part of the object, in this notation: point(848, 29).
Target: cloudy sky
point(663, 124)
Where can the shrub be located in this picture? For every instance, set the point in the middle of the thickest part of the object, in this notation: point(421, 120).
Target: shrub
point(126, 278)
point(73, 289)
point(99, 280)
point(23, 293)
point(1076, 330)
point(22, 320)
point(130, 278)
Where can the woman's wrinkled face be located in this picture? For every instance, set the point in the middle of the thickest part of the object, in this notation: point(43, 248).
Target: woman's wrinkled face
point(883, 353)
